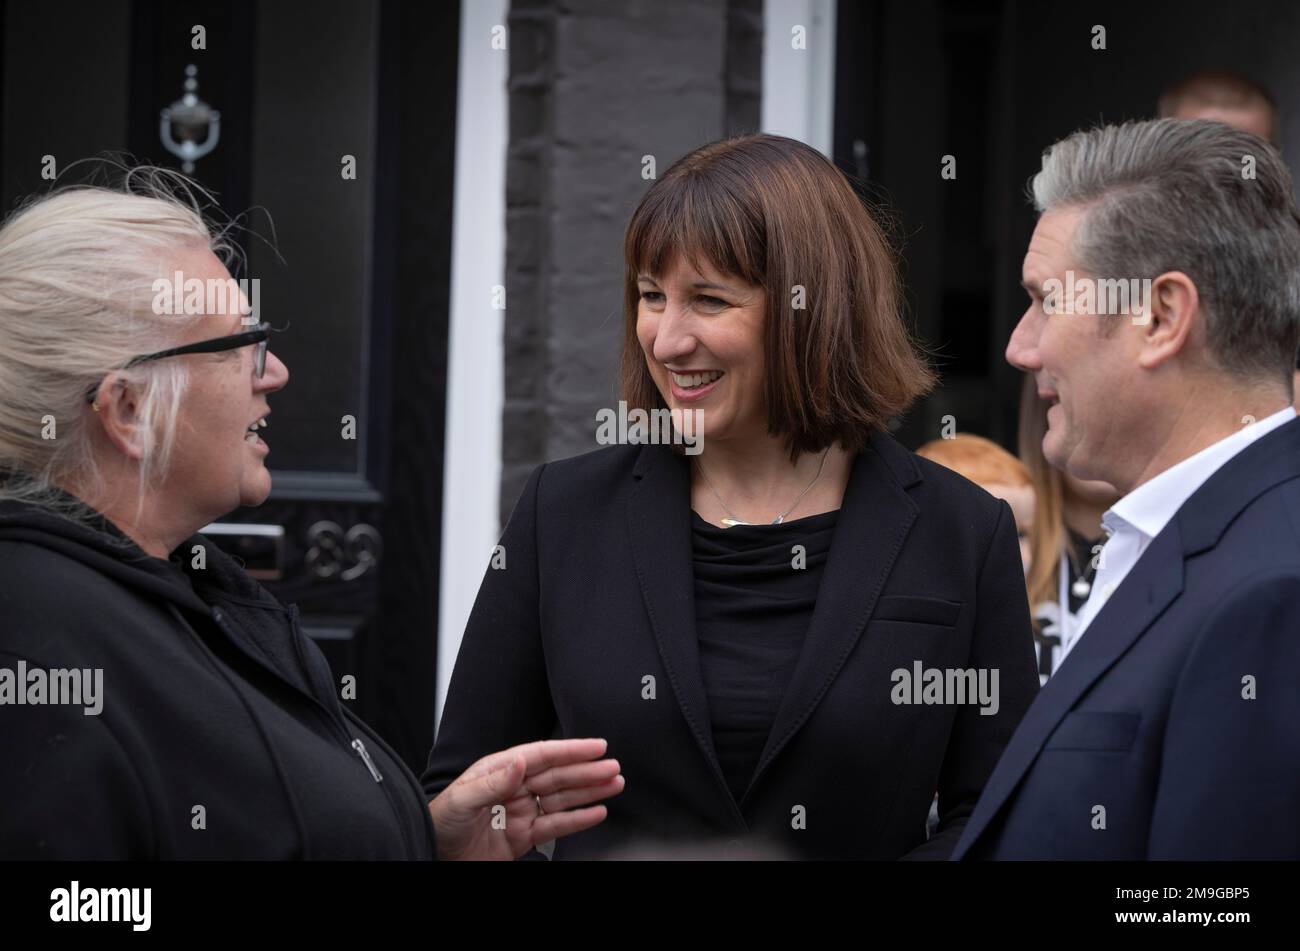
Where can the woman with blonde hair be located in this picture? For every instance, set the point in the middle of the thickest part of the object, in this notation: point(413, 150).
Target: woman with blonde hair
point(156, 704)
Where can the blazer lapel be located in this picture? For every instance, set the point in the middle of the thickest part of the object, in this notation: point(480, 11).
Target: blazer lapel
point(874, 519)
point(659, 530)
point(1151, 585)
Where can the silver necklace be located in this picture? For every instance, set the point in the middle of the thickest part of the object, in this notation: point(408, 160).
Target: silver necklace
point(1082, 586)
point(731, 521)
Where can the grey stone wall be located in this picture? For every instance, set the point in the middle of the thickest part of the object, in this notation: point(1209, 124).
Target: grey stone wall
point(593, 87)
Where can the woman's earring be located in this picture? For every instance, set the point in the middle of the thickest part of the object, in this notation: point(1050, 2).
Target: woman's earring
point(95, 407)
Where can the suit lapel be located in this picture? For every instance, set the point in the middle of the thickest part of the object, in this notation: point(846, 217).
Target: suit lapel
point(659, 530)
point(874, 520)
point(1151, 585)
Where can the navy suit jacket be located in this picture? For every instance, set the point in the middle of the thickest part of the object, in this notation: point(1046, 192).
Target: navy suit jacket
point(594, 607)
point(1172, 729)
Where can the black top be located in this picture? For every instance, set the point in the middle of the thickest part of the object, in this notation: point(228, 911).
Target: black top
point(754, 598)
point(591, 631)
point(212, 696)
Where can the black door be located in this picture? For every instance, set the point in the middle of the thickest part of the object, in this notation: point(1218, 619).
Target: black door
point(334, 153)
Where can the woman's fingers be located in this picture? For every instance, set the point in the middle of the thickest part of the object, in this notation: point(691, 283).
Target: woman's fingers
point(559, 797)
point(572, 777)
point(557, 825)
point(550, 754)
point(558, 771)
point(540, 756)
point(568, 798)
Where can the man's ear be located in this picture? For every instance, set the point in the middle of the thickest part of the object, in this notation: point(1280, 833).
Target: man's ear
point(117, 409)
point(1175, 311)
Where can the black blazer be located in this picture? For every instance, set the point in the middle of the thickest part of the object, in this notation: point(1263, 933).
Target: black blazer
point(596, 596)
point(1149, 718)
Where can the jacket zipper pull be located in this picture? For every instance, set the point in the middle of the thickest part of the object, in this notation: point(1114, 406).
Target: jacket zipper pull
point(365, 758)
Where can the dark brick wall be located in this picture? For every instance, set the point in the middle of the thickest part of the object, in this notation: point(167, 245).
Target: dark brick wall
point(594, 86)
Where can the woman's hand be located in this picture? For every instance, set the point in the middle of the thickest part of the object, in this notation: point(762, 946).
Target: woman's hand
point(557, 773)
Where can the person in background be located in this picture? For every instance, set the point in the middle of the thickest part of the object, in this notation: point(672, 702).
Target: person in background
point(1222, 96)
point(994, 470)
point(1064, 542)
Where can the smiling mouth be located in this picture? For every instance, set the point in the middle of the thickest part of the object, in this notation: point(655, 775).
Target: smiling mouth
point(693, 381)
point(252, 437)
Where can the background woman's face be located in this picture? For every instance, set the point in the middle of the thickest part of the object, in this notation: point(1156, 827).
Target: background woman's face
point(215, 462)
point(702, 335)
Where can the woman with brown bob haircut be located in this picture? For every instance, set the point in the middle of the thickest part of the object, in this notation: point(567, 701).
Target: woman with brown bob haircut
point(791, 630)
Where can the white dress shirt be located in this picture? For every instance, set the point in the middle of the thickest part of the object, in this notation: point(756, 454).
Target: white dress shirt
point(1136, 519)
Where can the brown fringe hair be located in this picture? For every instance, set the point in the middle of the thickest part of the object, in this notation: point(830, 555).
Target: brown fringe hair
point(775, 212)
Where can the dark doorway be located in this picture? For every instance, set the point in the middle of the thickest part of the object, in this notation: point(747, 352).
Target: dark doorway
point(354, 268)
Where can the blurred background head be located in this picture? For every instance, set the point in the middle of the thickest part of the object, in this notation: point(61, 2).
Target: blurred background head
point(1222, 96)
point(996, 471)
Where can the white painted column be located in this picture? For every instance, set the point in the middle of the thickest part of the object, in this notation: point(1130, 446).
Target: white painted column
point(475, 360)
point(799, 84)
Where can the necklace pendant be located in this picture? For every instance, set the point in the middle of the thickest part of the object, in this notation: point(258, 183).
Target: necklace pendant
point(733, 522)
point(1080, 588)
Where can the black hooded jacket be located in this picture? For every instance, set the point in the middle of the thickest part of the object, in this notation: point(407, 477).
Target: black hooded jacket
point(221, 733)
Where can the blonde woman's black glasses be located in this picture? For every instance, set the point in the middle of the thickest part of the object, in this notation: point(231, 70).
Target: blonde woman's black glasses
point(260, 336)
